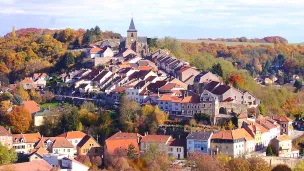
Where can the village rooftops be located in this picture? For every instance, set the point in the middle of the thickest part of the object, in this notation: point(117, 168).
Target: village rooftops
point(281, 119)
point(119, 89)
point(229, 135)
point(100, 76)
point(169, 87)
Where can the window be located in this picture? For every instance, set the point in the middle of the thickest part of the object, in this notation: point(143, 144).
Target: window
point(76, 141)
point(68, 150)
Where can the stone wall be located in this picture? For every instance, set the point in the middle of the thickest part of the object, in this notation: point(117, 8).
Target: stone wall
point(273, 161)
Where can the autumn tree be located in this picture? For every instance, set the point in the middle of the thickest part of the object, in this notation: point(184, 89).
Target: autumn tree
point(14, 33)
point(22, 93)
point(236, 81)
point(129, 114)
point(35, 96)
point(299, 166)
point(7, 156)
point(19, 119)
point(258, 164)
point(205, 162)
point(238, 164)
point(47, 96)
point(281, 167)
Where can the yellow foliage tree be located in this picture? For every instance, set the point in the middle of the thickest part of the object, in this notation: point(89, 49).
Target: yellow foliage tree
point(19, 119)
point(22, 93)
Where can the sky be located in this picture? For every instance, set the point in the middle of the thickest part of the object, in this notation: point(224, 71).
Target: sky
point(187, 19)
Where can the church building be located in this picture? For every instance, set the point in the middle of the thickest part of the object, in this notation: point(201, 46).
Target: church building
point(134, 42)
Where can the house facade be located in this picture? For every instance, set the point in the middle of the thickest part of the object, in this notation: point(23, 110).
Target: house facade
point(89, 146)
point(199, 142)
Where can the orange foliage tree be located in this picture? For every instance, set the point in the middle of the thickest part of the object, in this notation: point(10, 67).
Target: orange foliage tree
point(236, 80)
point(19, 119)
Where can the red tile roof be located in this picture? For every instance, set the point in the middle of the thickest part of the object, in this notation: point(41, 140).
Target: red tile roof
point(156, 138)
point(144, 68)
point(28, 138)
point(169, 87)
point(282, 118)
point(27, 80)
point(31, 106)
point(119, 89)
point(40, 165)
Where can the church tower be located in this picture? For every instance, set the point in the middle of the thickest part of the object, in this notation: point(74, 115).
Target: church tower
point(132, 38)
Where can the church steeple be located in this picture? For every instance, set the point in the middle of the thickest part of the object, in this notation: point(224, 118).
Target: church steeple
point(132, 26)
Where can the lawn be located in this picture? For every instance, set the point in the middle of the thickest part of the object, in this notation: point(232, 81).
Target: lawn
point(49, 105)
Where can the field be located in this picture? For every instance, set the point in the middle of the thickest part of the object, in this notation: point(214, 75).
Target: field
point(220, 42)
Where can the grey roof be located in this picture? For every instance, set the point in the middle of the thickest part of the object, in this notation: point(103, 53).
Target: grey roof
point(45, 112)
point(199, 135)
point(142, 39)
point(132, 26)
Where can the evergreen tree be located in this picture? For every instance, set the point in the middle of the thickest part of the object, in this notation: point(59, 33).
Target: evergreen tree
point(269, 151)
point(131, 152)
point(217, 69)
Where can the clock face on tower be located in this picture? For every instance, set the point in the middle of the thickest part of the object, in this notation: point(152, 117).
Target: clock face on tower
point(131, 40)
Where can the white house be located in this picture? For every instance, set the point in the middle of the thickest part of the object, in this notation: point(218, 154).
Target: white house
point(73, 137)
point(95, 52)
point(73, 165)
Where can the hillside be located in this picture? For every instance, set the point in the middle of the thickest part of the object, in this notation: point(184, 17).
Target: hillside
point(222, 42)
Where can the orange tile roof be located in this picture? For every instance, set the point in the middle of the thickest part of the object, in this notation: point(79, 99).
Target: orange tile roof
point(144, 68)
point(27, 80)
point(31, 106)
point(40, 165)
point(40, 151)
point(246, 135)
point(95, 50)
point(283, 137)
point(187, 99)
point(254, 126)
point(226, 134)
point(156, 138)
point(232, 135)
point(282, 118)
point(165, 97)
point(73, 135)
point(169, 86)
point(28, 138)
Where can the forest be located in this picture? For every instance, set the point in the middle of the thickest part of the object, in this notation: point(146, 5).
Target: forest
point(26, 51)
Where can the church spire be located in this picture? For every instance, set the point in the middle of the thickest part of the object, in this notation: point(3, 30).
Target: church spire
point(132, 26)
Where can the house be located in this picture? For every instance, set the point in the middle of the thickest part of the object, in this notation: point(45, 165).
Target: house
point(24, 143)
point(37, 154)
point(64, 163)
point(28, 83)
point(176, 148)
point(229, 142)
point(202, 79)
point(89, 146)
point(40, 79)
point(40, 116)
point(40, 165)
point(286, 124)
point(56, 145)
point(85, 88)
point(186, 72)
point(274, 129)
point(6, 138)
point(161, 141)
point(31, 106)
point(121, 141)
point(73, 137)
point(282, 146)
point(199, 142)
point(95, 52)
point(258, 132)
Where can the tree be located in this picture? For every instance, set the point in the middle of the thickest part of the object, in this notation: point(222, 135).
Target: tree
point(204, 162)
point(300, 166)
point(22, 93)
point(89, 106)
point(152, 153)
point(281, 167)
point(236, 81)
point(258, 164)
point(230, 125)
point(129, 114)
point(47, 96)
point(7, 156)
point(131, 152)
point(160, 116)
point(70, 121)
point(35, 96)
point(217, 69)
point(68, 60)
point(17, 100)
point(269, 151)
point(19, 119)
point(238, 164)
point(262, 109)
point(298, 85)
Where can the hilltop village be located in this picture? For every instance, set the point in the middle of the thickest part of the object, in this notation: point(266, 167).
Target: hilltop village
point(218, 115)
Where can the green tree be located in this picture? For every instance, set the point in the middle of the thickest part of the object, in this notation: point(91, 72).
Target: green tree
point(7, 156)
point(131, 153)
point(129, 114)
point(262, 109)
point(217, 69)
point(298, 85)
point(269, 151)
point(69, 59)
point(70, 121)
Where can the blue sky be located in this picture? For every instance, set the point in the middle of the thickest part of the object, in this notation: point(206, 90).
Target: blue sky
point(158, 18)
